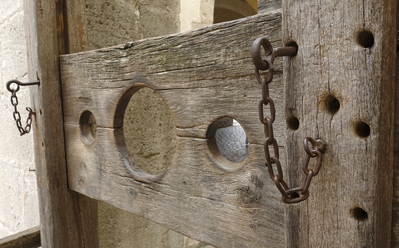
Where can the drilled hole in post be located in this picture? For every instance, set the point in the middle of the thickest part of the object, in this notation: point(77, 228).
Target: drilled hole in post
point(363, 130)
point(358, 214)
point(88, 126)
point(291, 43)
point(332, 104)
point(365, 39)
point(93, 125)
point(228, 143)
point(293, 123)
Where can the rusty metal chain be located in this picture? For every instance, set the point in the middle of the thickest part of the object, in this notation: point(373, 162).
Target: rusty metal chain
point(14, 102)
point(289, 195)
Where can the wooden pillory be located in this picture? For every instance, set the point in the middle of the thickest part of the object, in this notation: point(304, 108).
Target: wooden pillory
point(340, 87)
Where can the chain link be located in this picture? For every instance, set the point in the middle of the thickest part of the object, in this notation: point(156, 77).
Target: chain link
point(293, 195)
point(14, 102)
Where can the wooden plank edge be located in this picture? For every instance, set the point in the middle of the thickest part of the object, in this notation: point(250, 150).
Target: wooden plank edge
point(29, 238)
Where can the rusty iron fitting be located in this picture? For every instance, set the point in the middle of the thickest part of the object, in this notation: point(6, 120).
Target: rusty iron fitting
point(293, 195)
point(18, 83)
point(14, 102)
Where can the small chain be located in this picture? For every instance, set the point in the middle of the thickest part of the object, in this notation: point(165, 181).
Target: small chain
point(289, 195)
point(14, 102)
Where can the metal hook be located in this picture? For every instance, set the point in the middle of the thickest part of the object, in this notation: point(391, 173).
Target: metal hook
point(14, 102)
point(19, 83)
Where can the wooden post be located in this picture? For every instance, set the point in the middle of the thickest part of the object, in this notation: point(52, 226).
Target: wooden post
point(395, 202)
point(66, 218)
point(340, 86)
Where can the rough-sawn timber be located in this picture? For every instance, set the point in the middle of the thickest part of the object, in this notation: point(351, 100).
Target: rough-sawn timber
point(203, 75)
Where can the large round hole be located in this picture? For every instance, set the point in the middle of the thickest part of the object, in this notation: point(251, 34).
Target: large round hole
point(363, 130)
point(365, 39)
point(293, 123)
point(88, 126)
point(228, 143)
point(149, 131)
point(358, 214)
point(332, 104)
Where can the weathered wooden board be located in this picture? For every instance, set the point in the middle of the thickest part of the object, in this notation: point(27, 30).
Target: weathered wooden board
point(27, 239)
point(67, 219)
point(356, 177)
point(268, 5)
point(203, 75)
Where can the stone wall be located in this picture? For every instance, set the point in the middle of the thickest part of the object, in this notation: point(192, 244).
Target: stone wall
point(18, 195)
point(196, 14)
point(113, 22)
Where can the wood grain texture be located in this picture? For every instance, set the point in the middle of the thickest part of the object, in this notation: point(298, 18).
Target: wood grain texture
point(77, 25)
point(268, 5)
point(64, 218)
point(27, 239)
point(78, 42)
point(356, 172)
point(203, 75)
point(395, 202)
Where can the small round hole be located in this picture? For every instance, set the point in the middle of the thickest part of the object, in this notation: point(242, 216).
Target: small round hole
point(293, 123)
point(358, 214)
point(291, 43)
point(228, 143)
point(332, 104)
point(363, 130)
point(88, 126)
point(365, 39)
point(93, 125)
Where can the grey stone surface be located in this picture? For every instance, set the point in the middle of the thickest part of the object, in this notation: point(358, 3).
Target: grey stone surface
point(122, 229)
point(18, 190)
point(232, 142)
point(150, 131)
point(196, 14)
point(8, 8)
point(113, 22)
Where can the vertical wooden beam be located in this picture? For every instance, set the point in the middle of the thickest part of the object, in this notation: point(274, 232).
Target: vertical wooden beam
point(77, 23)
point(77, 40)
point(66, 218)
point(395, 202)
point(346, 52)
